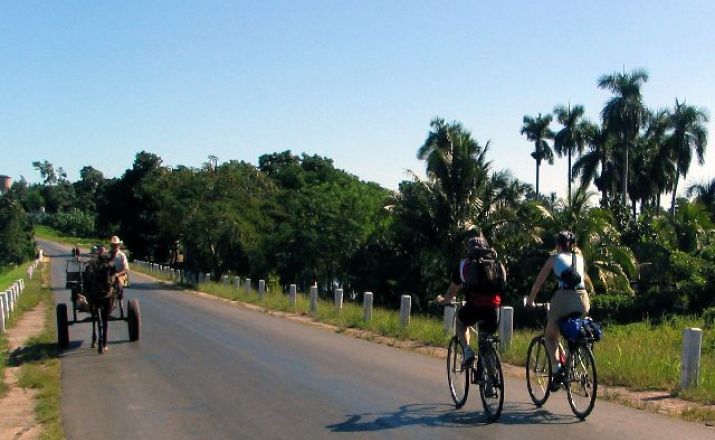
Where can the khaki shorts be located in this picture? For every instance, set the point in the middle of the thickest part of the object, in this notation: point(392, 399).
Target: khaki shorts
point(566, 302)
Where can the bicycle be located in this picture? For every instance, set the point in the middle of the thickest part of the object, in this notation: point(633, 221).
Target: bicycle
point(579, 377)
point(459, 376)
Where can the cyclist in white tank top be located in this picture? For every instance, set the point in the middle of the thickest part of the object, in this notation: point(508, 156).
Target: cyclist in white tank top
point(565, 301)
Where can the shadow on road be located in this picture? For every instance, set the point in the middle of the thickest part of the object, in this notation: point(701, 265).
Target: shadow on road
point(442, 416)
point(148, 286)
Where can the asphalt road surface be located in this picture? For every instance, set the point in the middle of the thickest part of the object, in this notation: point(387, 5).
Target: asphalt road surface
point(206, 369)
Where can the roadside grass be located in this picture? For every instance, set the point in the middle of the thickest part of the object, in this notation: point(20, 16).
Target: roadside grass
point(28, 300)
point(638, 356)
point(9, 276)
point(48, 233)
point(39, 365)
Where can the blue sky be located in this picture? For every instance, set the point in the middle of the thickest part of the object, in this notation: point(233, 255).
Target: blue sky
point(93, 83)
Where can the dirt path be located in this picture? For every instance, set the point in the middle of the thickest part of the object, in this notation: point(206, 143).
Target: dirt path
point(18, 405)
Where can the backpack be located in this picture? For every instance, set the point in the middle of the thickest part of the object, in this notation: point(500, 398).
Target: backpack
point(570, 276)
point(482, 275)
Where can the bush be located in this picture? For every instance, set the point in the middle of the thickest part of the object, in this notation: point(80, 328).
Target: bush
point(74, 223)
point(709, 317)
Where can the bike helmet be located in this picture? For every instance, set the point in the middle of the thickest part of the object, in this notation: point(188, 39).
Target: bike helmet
point(566, 239)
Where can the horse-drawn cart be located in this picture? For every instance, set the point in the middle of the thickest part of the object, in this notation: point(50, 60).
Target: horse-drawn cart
point(82, 301)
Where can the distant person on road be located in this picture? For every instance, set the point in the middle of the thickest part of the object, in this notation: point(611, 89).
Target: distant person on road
point(121, 264)
point(568, 265)
point(482, 279)
point(75, 251)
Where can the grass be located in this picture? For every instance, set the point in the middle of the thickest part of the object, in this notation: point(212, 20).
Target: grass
point(39, 365)
point(638, 356)
point(9, 276)
point(48, 233)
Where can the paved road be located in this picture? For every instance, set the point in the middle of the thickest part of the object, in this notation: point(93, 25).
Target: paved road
point(205, 369)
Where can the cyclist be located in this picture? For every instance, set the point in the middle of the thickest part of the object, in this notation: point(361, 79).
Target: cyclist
point(76, 251)
point(121, 265)
point(567, 264)
point(482, 278)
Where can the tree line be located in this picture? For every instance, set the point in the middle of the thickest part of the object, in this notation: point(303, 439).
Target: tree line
point(297, 219)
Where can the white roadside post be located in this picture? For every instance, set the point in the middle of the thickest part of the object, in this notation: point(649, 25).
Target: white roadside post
point(3, 314)
point(690, 358)
point(225, 280)
point(248, 286)
point(405, 308)
point(338, 299)
point(237, 282)
point(506, 327)
point(208, 277)
point(313, 299)
point(4, 308)
point(261, 288)
point(367, 306)
point(10, 300)
point(293, 294)
point(448, 317)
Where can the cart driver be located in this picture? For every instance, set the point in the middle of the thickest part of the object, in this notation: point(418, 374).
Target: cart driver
point(119, 259)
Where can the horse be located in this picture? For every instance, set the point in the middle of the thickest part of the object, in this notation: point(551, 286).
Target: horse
point(101, 290)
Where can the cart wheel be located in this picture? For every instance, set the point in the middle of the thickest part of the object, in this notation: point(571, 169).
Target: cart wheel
point(63, 334)
point(134, 320)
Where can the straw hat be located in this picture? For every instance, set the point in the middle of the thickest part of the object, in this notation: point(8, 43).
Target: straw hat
point(115, 240)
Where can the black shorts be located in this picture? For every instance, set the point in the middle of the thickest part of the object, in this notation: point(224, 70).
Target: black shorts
point(486, 316)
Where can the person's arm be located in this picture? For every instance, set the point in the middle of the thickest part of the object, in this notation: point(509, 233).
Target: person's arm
point(540, 280)
point(452, 291)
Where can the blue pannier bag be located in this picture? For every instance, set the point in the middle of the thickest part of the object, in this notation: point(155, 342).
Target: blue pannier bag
point(570, 328)
point(591, 329)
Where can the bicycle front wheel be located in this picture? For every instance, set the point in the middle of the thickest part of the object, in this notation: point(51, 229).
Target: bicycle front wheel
point(457, 376)
point(538, 371)
point(582, 381)
point(491, 383)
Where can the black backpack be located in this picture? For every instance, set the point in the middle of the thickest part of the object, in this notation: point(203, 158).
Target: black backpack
point(482, 275)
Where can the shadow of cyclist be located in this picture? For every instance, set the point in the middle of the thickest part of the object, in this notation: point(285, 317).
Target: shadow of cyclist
point(439, 415)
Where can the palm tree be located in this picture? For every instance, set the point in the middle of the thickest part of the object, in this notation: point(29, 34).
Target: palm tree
point(660, 170)
point(624, 113)
point(537, 130)
point(457, 172)
point(596, 165)
point(572, 137)
point(705, 195)
point(689, 133)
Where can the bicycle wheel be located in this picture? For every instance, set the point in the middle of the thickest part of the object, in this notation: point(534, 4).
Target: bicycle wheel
point(457, 376)
point(538, 371)
point(491, 383)
point(582, 381)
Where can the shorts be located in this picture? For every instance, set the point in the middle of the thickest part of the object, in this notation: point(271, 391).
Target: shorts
point(565, 302)
point(486, 316)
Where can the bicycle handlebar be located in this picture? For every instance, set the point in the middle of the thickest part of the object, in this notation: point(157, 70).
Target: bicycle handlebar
point(544, 305)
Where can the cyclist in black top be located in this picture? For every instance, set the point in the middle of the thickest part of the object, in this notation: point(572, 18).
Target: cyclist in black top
point(483, 298)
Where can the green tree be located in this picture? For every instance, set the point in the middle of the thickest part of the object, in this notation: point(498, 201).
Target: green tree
point(537, 130)
point(16, 244)
point(689, 135)
point(624, 114)
point(572, 137)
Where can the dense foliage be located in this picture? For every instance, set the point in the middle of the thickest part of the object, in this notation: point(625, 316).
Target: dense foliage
point(298, 219)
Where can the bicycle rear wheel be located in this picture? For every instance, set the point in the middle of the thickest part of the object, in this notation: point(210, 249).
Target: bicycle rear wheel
point(582, 381)
point(538, 371)
point(491, 383)
point(457, 376)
